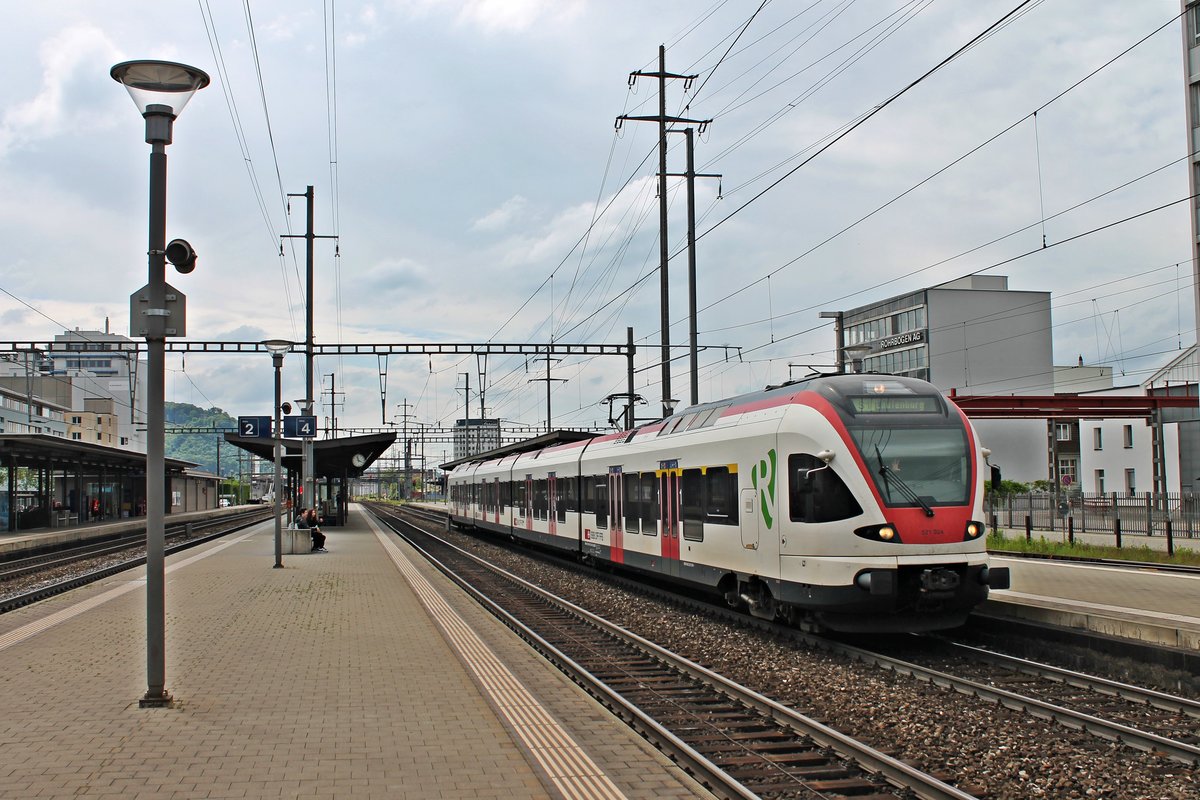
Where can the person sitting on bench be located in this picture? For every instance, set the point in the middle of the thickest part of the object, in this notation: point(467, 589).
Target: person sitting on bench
point(318, 538)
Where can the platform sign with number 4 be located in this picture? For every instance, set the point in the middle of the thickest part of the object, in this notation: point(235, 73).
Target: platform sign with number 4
point(254, 427)
point(301, 426)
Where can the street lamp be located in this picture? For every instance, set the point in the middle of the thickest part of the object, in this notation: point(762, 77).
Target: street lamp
point(277, 348)
point(160, 89)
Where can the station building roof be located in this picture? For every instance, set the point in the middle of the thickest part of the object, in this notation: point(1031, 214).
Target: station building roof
point(333, 458)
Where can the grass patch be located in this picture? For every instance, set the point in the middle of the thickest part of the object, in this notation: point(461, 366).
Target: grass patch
point(1042, 546)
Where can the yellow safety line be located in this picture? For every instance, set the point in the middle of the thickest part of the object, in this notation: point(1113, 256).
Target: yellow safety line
point(564, 762)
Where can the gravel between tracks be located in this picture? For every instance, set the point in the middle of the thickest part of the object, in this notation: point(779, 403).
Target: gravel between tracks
point(987, 750)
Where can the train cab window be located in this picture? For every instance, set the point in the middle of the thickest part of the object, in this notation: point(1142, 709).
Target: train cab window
point(816, 493)
point(649, 499)
point(721, 496)
point(601, 484)
point(633, 502)
point(692, 501)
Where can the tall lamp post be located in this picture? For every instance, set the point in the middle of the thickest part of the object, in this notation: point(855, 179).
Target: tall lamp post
point(277, 348)
point(160, 89)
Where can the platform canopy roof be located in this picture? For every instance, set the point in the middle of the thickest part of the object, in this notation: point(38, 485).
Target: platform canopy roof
point(43, 450)
point(332, 458)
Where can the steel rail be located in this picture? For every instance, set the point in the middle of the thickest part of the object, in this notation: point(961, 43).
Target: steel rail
point(1137, 694)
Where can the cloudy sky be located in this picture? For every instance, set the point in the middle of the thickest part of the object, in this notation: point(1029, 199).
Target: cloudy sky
point(464, 153)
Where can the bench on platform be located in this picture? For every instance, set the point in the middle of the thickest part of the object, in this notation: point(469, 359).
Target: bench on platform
point(296, 540)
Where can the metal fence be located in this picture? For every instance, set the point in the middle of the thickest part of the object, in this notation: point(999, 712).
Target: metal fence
point(1173, 514)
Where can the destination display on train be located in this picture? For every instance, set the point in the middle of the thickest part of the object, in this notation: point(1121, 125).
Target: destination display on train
point(895, 404)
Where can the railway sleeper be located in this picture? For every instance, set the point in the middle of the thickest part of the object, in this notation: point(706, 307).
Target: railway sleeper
point(806, 764)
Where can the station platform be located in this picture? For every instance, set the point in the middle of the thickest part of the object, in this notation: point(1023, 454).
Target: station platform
point(1154, 606)
point(360, 672)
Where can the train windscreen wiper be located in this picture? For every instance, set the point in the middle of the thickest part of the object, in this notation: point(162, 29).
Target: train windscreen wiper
point(890, 475)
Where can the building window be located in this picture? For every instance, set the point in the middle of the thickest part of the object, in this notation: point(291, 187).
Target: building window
point(1127, 436)
point(1068, 472)
point(1130, 482)
point(76, 436)
point(1099, 481)
point(1097, 439)
point(1062, 432)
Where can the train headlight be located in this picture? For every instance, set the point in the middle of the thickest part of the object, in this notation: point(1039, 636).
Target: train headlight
point(879, 533)
point(974, 529)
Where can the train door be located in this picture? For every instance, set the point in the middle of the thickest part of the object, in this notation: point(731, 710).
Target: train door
point(552, 504)
point(668, 514)
point(616, 519)
point(496, 499)
point(749, 519)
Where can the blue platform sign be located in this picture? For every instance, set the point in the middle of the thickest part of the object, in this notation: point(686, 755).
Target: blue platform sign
point(254, 427)
point(301, 426)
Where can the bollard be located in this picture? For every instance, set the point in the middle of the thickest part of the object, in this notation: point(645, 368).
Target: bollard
point(1170, 539)
point(1071, 530)
point(1117, 530)
point(187, 530)
point(1028, 528)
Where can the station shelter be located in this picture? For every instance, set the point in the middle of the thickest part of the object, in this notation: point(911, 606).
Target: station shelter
point(48, 482)
point(335, 463)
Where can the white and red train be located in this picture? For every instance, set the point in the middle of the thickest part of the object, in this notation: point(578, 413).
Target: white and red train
point(844, 502)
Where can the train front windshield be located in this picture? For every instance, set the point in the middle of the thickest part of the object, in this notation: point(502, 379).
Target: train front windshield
point(932, 463)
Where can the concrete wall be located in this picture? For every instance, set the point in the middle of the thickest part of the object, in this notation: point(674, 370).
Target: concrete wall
point(988, 342)
point(1018, 447)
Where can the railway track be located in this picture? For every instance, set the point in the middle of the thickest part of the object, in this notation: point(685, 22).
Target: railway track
point(736, 741)
point(92, 561)
point(1151, 721)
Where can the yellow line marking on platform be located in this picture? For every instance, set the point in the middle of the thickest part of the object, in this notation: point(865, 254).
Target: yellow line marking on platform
point(571, 771)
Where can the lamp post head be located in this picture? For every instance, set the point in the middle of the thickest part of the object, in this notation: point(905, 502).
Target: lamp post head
point(277, 346)
point(669, 404)
point(159, 87)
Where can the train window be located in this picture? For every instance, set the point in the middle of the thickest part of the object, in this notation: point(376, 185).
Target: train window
point(601, 483)
point(633, 503)
point(816, 493)
point(569, 501)
point(649, 493)
point(521, 495)
point(540, 502)
point(721, 501)
point(588, 503)
point(692, 500)
point(506, 493)
point(560, 498)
